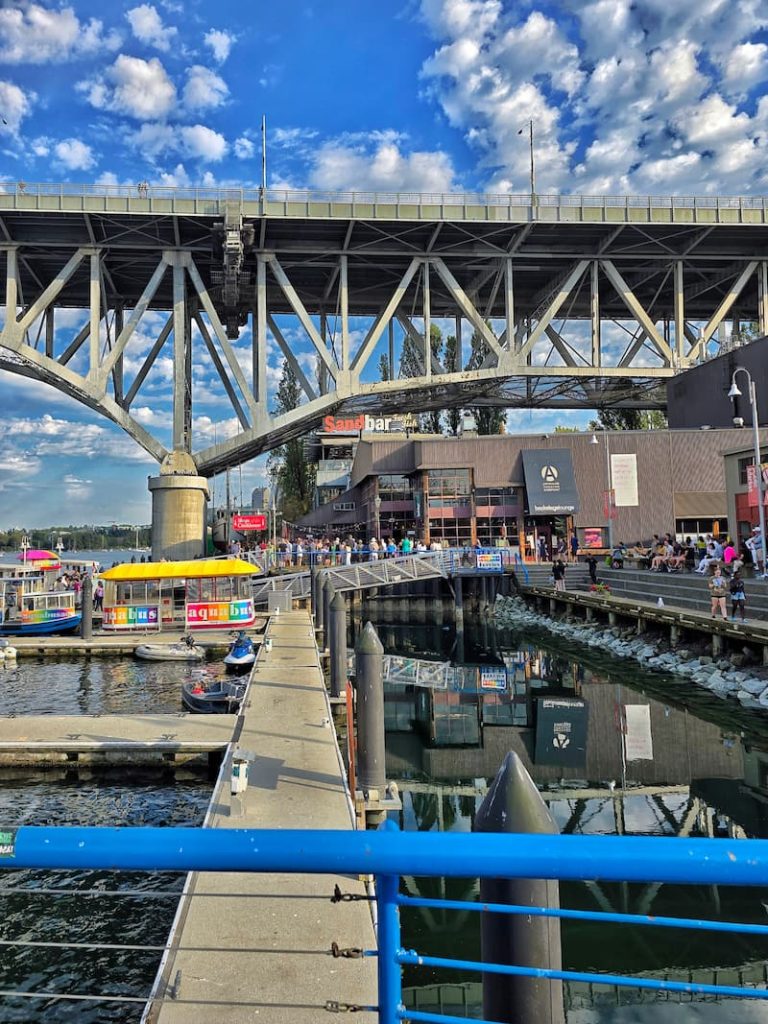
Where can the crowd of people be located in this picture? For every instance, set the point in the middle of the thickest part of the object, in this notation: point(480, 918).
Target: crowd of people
point(665, 553)
point(73, 580)
point(305, 551)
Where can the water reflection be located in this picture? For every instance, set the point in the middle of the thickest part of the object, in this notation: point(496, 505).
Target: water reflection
point(613, 750)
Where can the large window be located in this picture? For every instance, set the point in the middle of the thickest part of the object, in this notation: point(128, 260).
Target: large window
point(449, 483)
point(450, 507)
point(496, 510)
point(395, 487)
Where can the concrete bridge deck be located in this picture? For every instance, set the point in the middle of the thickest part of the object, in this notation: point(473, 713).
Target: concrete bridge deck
point(257, 947)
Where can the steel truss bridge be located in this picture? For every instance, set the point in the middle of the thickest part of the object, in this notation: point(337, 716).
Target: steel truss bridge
point(549, 282)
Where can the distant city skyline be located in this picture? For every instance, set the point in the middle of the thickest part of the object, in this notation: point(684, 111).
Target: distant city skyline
point(626, 96)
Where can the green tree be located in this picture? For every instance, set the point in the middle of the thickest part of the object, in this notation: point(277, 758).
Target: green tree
point(384, 366)
point(629, 419)
point(411, 365)
point(489, 420)
point(451, 363)
point(289, 469)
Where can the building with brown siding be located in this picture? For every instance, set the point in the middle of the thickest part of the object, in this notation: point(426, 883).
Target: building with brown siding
point(474, 489)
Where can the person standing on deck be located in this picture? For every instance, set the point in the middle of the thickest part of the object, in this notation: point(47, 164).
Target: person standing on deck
point(738, 597)
point(717, 591)
point(558, 573)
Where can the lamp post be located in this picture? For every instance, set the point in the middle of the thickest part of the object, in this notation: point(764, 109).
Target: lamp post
point(274, 529)
point(377, 504)
point(609, 490)
point(733, 394)
point(529, 125)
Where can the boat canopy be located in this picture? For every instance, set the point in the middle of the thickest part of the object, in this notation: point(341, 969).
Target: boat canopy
point(192, 569)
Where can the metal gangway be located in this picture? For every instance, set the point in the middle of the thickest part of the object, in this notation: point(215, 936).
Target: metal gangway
point(384, 572)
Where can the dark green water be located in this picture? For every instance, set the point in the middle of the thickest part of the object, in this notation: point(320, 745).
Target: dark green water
point(704, 772)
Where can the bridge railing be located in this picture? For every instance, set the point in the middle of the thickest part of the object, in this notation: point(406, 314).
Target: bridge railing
point(287, 202)
point(389, 855)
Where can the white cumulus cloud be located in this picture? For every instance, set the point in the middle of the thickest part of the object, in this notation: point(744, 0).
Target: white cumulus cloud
point(243, 148)
point(204, 89)
point(33, 34)
point(15, 105)
point(384, 167)
point(74, 155)
point(147, 25)
point(220, 43)
point(203, 143)
point(134, 87)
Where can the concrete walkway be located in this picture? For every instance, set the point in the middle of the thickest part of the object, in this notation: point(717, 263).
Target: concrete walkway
point(255, 947)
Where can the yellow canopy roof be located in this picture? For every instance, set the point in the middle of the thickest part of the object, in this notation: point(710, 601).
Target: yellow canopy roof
point(193, 569)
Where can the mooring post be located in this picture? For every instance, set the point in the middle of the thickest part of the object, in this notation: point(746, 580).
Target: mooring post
point(513, 804)
point(369, 682)
point(314, 574)
point(86, 596)
point(319, 607)
point(337, 631)
point(327, 598)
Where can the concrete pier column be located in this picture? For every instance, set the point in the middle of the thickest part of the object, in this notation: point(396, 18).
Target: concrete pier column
point(717, 645)
point(327, 598)
point(317, 602)
point(179, 504)
point(313, 590)
point(337, 633)
point(513, 804)
point(458, 590)
point(86, 596)
point(369, 682)
point(589, 613)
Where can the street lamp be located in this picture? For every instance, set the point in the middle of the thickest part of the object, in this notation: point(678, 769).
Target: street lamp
point(529, 124)
point(609, 492)
point(733, 394)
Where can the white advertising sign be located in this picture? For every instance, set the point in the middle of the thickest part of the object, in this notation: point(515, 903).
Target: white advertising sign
point(624, 480)
point(638, 742)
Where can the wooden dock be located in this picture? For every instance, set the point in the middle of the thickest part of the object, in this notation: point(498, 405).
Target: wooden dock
point(114, 644)
point(112, 739)
point(249, 947)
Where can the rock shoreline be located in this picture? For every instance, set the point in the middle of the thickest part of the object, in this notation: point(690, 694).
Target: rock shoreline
point(738, 676)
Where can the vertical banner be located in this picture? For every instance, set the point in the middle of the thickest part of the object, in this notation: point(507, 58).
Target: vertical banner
point(638, 741)
point(624, 480)
point(752, 483)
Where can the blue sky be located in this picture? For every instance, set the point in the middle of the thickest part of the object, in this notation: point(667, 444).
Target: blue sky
point(647, 96)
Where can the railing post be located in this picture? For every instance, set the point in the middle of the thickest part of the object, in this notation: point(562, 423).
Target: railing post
point(390, 977)
point(338, 644)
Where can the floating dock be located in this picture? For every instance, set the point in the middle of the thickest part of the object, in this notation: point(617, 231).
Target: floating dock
point(249, 947)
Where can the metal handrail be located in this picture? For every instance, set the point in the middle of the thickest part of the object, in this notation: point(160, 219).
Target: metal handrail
point(389, 854)
point(383, 198)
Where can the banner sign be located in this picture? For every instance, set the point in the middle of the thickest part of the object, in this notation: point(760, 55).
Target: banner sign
point(752, 483)
point(489, 561)
point(205, 614)
point(46, 614)
point(624, 480)
point(130, 616)
point(638, 742)
point(549, 481)
point(493, 678)
point(609, 504)
point(249, 522)
point(592, 537)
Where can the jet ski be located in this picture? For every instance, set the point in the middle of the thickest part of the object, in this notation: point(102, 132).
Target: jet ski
point(241, 653)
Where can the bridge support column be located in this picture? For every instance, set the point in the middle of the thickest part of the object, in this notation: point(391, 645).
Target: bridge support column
point(179, 502)
point(338, 644)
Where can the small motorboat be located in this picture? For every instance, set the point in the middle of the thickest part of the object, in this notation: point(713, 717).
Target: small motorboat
point(221, 697)
point(185, 650)
point(241, 653)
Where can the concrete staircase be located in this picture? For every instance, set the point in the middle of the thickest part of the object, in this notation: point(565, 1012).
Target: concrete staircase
point(539, 575)
point(679, 590)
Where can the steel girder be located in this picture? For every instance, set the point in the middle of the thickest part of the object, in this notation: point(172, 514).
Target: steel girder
point(548, 300)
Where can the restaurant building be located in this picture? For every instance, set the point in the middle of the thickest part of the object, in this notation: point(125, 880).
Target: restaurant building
point(511, 490)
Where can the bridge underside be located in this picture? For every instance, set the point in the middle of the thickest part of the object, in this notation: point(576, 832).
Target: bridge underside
point(572, 311)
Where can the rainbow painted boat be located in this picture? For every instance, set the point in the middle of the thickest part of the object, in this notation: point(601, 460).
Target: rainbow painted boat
point(29, 606)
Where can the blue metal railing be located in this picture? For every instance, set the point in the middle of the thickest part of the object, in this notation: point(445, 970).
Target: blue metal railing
point(388, 854)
